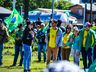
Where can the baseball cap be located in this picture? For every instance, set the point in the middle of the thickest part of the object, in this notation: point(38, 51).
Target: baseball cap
point(43, 24)
point(76, 29)
point(87, 24)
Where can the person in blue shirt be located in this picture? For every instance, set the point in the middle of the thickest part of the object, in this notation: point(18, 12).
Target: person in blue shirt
point(41, 42)
point(76, 45)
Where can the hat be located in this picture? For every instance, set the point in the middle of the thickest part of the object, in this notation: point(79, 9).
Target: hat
point(76, 29)
point(43, 24)
point(54, 21)
point(87, 24)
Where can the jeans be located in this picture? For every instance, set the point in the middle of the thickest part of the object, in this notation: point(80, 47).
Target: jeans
point(59, 57)
point(1, 51)
point(41, 47)
point(94, 53)
point(27, 56)
point(76, 57)
point(85, 54)
point(17, 50)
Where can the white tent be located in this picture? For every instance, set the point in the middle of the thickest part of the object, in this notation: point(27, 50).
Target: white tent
point(64, 18)
point(4, 11)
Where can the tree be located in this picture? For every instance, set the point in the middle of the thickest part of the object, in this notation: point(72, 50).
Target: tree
point(63, 5)
point(6, 3)
point(40, 4)
point(19, 3)
point(26, 8)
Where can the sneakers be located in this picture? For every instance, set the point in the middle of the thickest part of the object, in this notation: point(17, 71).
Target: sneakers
point(27, 70)
point(86, 70)
point(1, 64)
point(12, 65)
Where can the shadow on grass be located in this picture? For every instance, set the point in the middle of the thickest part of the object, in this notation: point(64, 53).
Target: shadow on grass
point(36, 61)
point(15, 67)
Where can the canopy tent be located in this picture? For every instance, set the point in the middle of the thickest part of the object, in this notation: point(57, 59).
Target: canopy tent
point(50, 10)
point(4, 12)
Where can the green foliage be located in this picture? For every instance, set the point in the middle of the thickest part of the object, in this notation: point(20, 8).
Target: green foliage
point(63, 5)
point(6, 3)
point(11, 41)
point(33, 4)
point(40, 4)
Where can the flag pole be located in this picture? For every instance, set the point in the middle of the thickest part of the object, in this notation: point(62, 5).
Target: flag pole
point(52, 8)
point(91, 1)
point(14, 3)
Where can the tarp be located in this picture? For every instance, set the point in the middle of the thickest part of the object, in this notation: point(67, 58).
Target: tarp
point(4, 11)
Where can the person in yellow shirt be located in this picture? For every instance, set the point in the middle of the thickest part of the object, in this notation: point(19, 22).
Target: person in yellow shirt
point(66, 47)
point(54, 41)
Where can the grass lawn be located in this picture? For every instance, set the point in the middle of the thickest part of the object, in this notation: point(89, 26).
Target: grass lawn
point(35, 66)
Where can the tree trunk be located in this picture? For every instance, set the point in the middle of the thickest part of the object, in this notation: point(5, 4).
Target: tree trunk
point(26, 8)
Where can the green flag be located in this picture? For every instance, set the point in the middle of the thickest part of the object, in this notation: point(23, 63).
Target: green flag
point(13, 20)
point(92, 68)
point(46, 28)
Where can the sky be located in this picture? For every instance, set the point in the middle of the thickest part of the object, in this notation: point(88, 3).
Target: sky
point(75, 1)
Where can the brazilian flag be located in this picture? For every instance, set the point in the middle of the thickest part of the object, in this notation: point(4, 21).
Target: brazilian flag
point(13, 20)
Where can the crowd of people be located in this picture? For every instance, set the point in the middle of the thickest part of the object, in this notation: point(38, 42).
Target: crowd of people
point(54, 40)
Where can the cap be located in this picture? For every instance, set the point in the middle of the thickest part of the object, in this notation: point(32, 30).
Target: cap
point(76, 29)
point(42, 24)
point(87, 24)
point(54, 21)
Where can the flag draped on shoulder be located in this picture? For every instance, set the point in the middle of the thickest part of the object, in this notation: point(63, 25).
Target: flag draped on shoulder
point(13, 20)
point(46, 28)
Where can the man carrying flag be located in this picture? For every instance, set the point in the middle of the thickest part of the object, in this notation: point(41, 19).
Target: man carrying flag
point(13, 20)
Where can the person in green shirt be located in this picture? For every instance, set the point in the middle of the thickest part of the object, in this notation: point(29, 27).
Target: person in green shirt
point(87, 41)
point(18, 46)
point(94, 51)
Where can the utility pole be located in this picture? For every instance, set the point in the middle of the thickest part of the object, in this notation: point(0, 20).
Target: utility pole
point(84, 16)
point(91, 1)
point(26, 8)
point(52, 8)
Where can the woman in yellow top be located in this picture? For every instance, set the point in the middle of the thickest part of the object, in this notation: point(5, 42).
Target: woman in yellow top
point(66, 43)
